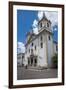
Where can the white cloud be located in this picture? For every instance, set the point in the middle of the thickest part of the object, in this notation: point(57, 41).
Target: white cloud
point(20, 47)
point(34, 25)
point(40, 15)
point(35, 30)
point(55, 29)
point(52, 16)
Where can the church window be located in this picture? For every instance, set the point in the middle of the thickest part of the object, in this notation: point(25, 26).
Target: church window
point(31, 51)
point(32, 44)
point(35, 47)
point(49, 37)
point(47, 24)
point(41, 45)
point(40, 24)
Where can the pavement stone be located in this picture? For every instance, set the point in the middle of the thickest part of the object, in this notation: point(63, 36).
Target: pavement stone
point(23, 74)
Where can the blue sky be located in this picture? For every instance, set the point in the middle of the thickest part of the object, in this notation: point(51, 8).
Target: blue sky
point(24, 23)
point(27, 19)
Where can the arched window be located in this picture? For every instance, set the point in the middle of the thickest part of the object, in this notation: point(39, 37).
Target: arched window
point(35, 47)
point(41, 45)
point(49, 37)
point(47, 24)
point(31, 51)
point(32, 44)
point(40, 25)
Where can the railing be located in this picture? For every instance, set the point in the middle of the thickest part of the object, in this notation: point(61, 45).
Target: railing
point(45, 28)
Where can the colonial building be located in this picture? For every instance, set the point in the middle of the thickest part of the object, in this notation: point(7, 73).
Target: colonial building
point(40, 47)
point(20, 59)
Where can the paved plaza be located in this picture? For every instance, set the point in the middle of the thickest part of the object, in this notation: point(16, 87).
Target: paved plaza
point(23, 73)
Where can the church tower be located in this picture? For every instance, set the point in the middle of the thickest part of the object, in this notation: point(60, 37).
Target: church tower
point(44, 25)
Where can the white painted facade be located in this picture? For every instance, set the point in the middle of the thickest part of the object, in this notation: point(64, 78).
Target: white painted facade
point(20, 59)
point(40, 47)
point(55, 47)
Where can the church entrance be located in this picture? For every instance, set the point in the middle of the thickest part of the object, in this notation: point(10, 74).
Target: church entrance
point(35, 64)
point(32, 61)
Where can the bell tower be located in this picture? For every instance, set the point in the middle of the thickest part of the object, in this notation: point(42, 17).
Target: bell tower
point(44, 23)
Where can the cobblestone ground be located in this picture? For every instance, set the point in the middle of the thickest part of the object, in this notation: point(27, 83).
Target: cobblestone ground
point(23, 73)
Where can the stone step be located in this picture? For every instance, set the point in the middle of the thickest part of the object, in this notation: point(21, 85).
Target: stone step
point(36, 67)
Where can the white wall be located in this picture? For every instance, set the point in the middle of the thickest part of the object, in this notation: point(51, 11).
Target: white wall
point(50, 48)
point(42, 57)
point(19, 60)
point(40, 52)
point(55, 51)
point(4, 46)
point(29, 46)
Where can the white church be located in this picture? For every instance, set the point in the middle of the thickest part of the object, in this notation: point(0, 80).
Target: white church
point(40, 48)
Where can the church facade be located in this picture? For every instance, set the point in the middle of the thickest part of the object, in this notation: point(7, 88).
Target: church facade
point(40, 47)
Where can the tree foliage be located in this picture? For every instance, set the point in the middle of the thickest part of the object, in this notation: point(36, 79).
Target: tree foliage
point(55, 61)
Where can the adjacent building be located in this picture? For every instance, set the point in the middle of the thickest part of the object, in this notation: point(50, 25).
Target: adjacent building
point(20, 59)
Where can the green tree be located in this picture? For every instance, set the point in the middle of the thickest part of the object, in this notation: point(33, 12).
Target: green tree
point(55, 61)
